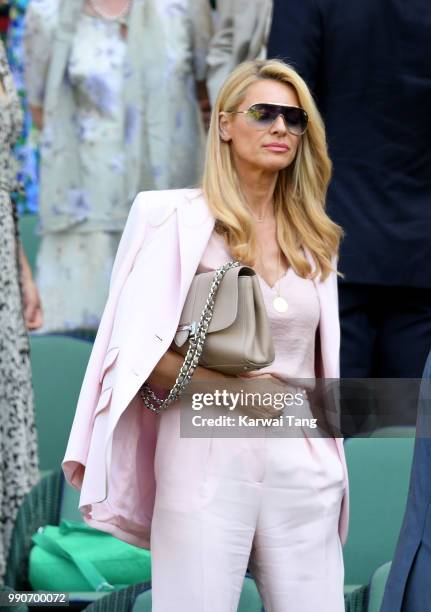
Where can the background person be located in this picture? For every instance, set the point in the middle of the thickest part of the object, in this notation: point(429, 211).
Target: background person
point(408, 588)
point(241, 34)
point(112, 85)
point(373, 87)
point(19, 306)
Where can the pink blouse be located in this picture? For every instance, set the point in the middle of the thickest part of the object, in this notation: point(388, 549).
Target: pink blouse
point(293, 332)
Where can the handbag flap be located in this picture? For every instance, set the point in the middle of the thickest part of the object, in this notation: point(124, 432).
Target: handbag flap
point(226, 301)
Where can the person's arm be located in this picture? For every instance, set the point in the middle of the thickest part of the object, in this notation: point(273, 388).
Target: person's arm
point(296, 37)
point(200, 23)
point(219, 59)
point(40, 22)
point(204, 102)
point(33, 316)
point(166, 371)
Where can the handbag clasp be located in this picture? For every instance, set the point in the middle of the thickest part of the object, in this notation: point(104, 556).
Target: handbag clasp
point(191, 327)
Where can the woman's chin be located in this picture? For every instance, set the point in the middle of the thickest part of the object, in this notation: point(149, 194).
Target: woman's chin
point(274, 165)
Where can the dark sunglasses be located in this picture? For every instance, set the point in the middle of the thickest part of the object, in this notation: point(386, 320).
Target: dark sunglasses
point(262, 115)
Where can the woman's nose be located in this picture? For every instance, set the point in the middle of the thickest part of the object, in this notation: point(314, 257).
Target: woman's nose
point(279, 125)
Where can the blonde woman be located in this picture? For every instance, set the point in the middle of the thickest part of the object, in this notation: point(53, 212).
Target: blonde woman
point(213, 506)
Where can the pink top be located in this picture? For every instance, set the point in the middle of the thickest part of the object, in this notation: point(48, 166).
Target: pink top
point(293, 332)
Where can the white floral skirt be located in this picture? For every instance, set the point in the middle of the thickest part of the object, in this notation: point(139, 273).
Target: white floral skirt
point(72, 273)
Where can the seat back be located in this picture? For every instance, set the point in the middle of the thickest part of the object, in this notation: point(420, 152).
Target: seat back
point(249, 601)
point(69, 510)
point(379, 473)
point(377, 586)
point(58, 366)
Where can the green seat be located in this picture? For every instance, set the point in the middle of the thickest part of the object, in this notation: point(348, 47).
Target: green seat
point(58, 368)
point(58, 365)
point(250, 600)
point(30, 240)
point(355, 598)
point(122, 600)
point(69, 510)
point(379, 473)
point(48, 502)
point(377, 588)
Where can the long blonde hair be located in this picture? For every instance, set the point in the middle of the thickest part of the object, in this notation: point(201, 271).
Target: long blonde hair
point(300, 192)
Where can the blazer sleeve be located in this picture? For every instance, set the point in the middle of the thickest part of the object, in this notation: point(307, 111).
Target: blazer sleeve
point(296, 37)
point(41, 19)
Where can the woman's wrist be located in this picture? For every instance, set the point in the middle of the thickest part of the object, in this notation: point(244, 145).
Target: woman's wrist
point(26, 273)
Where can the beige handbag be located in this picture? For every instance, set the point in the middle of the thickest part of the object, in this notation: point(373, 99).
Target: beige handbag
point(223, 326)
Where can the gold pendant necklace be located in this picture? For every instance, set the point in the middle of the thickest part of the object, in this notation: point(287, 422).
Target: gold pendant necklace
point(279, 303)
point(110, 17)
point(259, 219)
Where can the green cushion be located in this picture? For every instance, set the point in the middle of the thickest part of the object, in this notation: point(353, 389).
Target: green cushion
point(58, 366)
point(98, 558)
point(379, 472)
point(377, 588)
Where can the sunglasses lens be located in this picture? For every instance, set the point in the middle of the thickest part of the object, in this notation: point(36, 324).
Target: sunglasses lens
point(263, 116)
point(296, 120)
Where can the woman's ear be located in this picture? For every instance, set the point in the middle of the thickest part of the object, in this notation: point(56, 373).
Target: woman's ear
point(224, 127)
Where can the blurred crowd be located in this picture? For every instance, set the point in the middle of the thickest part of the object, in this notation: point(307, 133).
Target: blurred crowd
point(100, 99)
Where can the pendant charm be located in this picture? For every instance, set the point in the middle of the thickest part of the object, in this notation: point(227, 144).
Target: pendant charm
point(280, 304)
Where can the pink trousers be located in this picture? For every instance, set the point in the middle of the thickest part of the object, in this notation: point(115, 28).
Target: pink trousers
point(271, 504)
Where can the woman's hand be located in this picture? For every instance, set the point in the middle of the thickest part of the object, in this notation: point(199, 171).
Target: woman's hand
point(33, 316)
point(260, 411)
point(166, 371)
point(254, 375)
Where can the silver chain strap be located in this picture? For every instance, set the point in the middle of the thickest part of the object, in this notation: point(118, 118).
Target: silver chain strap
point(194, 351)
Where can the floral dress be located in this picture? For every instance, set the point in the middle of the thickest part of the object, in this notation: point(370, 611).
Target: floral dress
point(18, 449)
point(73, 266)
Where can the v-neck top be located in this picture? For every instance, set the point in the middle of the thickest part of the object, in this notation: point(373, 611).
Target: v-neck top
point(293, 332)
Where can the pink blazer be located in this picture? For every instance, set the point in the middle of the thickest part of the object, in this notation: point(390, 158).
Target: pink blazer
point(110, 452)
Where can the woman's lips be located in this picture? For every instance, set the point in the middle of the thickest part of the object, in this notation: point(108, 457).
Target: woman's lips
point(278, 147)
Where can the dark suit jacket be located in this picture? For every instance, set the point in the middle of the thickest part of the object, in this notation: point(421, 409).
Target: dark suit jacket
point(409, 584)
point(368, 63)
